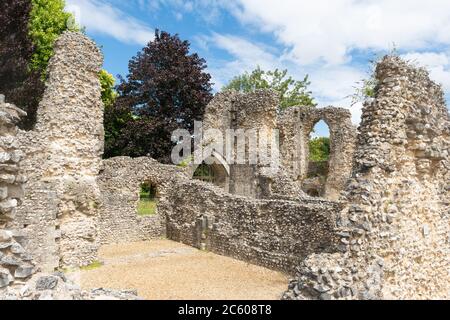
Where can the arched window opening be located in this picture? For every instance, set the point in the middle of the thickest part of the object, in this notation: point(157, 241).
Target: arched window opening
point(148, 200)
point(214, 173)
point(205, 173)
point(318, 160)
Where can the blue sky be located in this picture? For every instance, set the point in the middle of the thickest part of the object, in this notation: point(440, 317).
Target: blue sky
point(332, 41)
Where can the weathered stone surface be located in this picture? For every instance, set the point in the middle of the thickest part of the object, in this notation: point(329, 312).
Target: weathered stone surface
point(12, 264)
point(120, 182)
point(235, 111)
point(385, 236)
point(51, 287)
point(397, 212)
point(24, 272)
point(5, 236)
point(274, 233)
point(258, 111)
point(63, 158)
point(296, 125)
point(5, 277)
point(46, 283)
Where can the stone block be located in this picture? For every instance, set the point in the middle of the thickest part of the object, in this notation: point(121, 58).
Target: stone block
point(23, 272)
point(10, 261)
point(46, 283)
point(5, 236)
point(5, 277)
point(3, 193)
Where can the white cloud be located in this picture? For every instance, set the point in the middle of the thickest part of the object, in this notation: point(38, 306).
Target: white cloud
point(249, 53)
point(334, 83)
point(246, 56)
point(208, 10)
point(438, 64)
point(320, 37)
point(427, 59)
point(331, 85)
point(314, 37)
point(100, 17)
point(324, 30)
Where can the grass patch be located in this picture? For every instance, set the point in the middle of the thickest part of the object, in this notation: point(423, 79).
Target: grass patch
point(92, 266)
point(147, 207)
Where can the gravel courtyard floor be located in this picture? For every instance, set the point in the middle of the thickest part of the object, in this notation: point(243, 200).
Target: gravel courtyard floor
point(166, 270)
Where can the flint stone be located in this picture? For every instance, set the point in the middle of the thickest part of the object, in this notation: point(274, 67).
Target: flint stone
point(3, 193)
point(17, 248)
point(5, 278)
point(60, 275)
point(46, 283)
point(5, 245)
point(23, 272)
point(10, 261)
point(5, 235)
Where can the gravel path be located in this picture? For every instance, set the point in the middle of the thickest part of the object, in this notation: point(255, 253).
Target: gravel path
point(166, 270)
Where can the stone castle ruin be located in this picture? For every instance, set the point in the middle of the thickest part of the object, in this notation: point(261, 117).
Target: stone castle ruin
point(376, 228)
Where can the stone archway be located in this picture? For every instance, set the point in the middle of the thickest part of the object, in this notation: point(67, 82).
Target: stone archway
point(296, 125)
point(219, 171)
point(342, 145)
point(318, 160)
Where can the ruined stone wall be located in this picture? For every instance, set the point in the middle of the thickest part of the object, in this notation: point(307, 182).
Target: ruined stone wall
point(259, 110)
point(250, 111)
point(16, 264)
point(20, 278)
point(120, 181)
point(272, 233)
point(63, 157)
point(296, 125)
point(395, 229)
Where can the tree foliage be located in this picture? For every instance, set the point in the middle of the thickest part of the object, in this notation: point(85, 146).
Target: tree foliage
point(107, 82)
point(319, 149)
point(48, 21)
point(167, 89)
point(28, 31)
point(21, 85)
point(292, 92)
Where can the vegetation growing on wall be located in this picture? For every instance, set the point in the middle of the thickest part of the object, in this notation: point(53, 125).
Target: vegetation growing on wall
point(366, 88)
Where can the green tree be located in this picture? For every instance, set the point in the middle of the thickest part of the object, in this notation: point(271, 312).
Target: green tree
point(292, 92)
point(167, 88)
point(108, 82)
point(20, 85)
point(48, 21)
point(28, 31)
point(319, 149)
point(114, 120)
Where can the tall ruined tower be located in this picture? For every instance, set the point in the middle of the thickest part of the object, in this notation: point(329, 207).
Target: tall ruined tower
point(395, 228)
point(63, 158)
